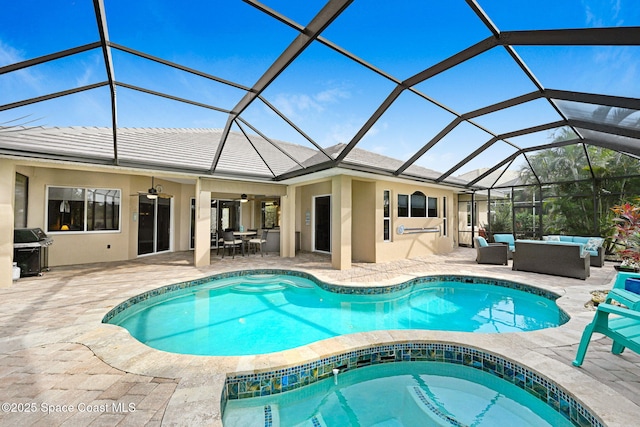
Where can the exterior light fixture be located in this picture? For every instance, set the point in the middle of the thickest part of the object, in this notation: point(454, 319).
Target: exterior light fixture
point(244, 199)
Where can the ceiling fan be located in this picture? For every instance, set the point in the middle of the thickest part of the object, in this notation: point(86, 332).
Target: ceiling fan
point(154, 192)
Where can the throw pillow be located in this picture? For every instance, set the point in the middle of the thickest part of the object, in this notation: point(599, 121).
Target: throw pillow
point(632, 284)
point(593, 244)
point(552, 238)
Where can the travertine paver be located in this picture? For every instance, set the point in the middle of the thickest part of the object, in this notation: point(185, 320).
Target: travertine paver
point(54, 352)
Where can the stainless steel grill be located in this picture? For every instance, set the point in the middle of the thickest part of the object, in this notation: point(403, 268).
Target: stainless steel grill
point(31, 251)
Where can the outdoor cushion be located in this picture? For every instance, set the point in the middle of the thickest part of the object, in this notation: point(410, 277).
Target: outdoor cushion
point(505, 238)
point(482, 241)
point(593, 243)
point(632, 284)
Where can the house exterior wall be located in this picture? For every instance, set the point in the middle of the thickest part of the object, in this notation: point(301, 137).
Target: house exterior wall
point(306, 194)
point(7, 184)
point(409, 245)
point(367, 236)
point(364, 231)
point(357, 214)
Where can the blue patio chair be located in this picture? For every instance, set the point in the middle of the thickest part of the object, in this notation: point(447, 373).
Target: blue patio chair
point(623, 328)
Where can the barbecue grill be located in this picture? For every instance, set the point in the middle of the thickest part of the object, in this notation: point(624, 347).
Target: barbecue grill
point(31, 251)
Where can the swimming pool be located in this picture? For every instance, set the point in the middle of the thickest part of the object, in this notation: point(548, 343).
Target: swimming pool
point(264, 311)
point(291, 394)
point(412, 393)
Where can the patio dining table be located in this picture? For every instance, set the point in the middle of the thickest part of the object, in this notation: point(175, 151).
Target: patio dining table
point(244, 235)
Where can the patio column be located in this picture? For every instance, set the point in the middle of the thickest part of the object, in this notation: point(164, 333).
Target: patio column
point(341, 222)
point(7, 194)
point(202, 249)
point(288, 223)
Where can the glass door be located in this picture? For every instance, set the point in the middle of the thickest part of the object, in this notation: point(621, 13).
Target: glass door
point(154, 225)
point(322, 223)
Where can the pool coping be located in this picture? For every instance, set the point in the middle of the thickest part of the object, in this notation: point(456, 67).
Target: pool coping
point(117, 348)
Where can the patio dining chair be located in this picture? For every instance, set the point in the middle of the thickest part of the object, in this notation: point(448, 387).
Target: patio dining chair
point(259, 242)
point(230, 241)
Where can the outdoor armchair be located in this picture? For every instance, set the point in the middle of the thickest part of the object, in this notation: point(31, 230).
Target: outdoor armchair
point(490, 253)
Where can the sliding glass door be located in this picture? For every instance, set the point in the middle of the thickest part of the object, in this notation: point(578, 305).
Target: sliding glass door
point(154, 225)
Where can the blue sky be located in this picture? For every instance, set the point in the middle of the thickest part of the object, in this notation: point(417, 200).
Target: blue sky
point(326, 95)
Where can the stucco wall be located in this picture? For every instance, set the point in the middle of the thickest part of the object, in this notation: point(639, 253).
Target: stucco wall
point(419, 244)
point(305, 199)
point(364, 230)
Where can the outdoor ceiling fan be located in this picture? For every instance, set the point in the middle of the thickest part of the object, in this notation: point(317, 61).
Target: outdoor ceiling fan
point(154, 192)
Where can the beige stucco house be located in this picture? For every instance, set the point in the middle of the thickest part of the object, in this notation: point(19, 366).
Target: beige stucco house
point(101, 212)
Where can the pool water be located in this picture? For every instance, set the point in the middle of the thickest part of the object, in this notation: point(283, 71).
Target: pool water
point(256, 314)
point(399, 394)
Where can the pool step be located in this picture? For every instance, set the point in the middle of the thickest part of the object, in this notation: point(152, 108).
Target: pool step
point(439, 415)
point(265, 283)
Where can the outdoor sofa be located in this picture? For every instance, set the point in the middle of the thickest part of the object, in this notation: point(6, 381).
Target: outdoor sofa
point(557, 258)
point(591, 244)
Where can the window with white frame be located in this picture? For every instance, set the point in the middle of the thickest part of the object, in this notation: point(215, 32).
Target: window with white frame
point(444, 215)
point(82, 209)
point(386, 215)
point(403, 205)
point(432, 207)
point(417, 206)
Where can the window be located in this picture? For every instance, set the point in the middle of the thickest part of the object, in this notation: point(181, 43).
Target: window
point(270, 214)
point(20, 201)
point(403, 205)
point(418, 205)
point(444, 216)
point(82, 209)
point(386, 215)
point(432, 211)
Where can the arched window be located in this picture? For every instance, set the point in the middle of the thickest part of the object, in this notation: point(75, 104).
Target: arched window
point(418, 204)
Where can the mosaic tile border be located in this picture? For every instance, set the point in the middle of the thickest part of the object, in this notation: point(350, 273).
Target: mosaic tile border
point(282, 380)
point(334, 288)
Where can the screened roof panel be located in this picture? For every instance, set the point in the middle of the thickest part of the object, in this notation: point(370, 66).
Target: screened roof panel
point(612, 141)
point(601, 114)
point(86, 108)
point(398, 134)
point(543, 137)
point(606, 162)
point(560, 164)
point(300, 11)
point(164, 79)
point(405, 37)
point(229, 39)
point(317, 92)
point(497, 151)
point(66, 73)
point(610, 70)
point(523, 116)
point(141, 110)
point(30, 30)
point(415, 89)
point(552, 14)
point(456, 145)
point(495, 77)
point(261, 116)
